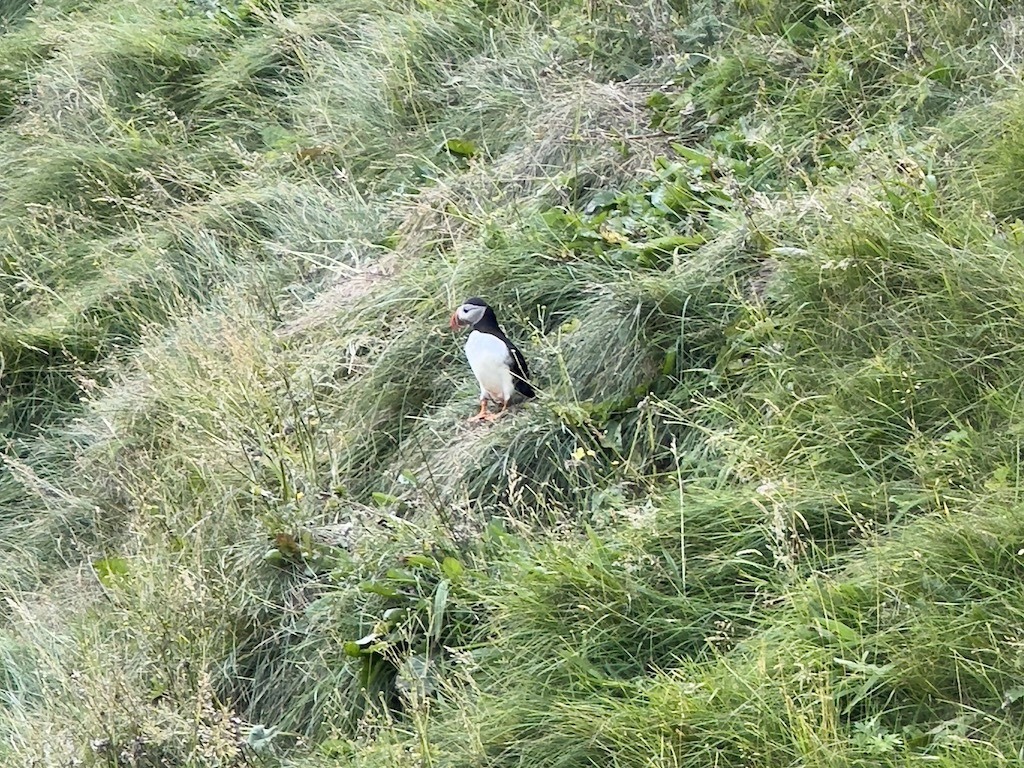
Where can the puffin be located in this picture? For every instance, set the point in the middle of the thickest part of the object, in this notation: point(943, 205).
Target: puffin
point(498, 365)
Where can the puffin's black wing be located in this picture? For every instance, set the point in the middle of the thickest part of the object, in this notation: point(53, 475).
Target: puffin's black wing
point(520, 372)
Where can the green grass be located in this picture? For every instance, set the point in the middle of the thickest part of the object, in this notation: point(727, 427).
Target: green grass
point(765, 261)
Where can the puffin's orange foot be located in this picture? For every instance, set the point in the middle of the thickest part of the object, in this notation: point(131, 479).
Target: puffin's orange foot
point(486, 416)
point(483, 415)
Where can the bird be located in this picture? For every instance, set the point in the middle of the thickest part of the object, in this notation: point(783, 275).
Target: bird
point(498, 365)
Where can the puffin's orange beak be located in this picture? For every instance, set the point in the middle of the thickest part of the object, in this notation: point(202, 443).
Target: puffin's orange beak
point(454, 322)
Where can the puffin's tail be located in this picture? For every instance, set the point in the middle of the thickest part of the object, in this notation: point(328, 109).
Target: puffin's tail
point(525, 388)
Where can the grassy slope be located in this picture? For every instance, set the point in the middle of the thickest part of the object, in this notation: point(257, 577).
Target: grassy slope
point(243, 520)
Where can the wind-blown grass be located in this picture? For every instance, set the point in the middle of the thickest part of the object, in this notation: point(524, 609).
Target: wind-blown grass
point(763, 259)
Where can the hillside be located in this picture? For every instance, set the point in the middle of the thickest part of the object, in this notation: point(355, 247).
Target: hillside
point(766, 261)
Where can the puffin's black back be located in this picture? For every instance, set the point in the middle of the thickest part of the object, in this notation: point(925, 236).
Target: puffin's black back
point(489, 324)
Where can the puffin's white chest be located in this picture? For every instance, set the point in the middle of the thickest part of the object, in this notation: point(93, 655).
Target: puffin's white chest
point(489, 358)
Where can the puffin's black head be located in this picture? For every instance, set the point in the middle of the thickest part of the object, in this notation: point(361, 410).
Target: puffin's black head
point(472, 312)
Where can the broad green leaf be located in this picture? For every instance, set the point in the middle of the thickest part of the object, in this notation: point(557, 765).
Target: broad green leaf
point(670, 362)
point(384, 499)
point(273, 556)
point(440, 603)
point(421, 561)
point(461, 147)
point(378, 589)
point(391, 614)
point(404, 577)
point(1013, 695)
point(695, 157)
point(111, 571)
point(606, 198)
point(452, 568)
point(670, 243)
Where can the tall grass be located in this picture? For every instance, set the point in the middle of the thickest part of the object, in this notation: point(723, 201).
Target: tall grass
point(764, 262)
